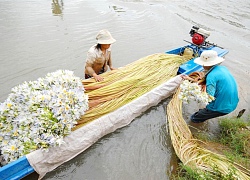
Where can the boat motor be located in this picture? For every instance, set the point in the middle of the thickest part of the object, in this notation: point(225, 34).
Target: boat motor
point(199, 35)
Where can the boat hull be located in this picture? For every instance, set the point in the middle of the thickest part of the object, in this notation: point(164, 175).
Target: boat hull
point(16, 170)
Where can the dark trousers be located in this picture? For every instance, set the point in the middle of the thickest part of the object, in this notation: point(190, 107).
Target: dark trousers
point(205, 114)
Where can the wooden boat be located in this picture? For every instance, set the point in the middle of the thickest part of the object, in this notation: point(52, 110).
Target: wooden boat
point(22, 167)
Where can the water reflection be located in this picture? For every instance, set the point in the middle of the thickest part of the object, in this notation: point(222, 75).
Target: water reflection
point(57, 7)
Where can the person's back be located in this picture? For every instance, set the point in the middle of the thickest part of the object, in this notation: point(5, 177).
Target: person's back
point(226, 91)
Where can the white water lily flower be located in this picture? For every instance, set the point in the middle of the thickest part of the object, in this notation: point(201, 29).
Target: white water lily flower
point(192, 91)
point(60, 141)
point(38, 114)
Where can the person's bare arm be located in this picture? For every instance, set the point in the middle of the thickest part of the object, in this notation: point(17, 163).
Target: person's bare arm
point(93, 73)
point(97, 77)
point(186, 77)
point(89, 67)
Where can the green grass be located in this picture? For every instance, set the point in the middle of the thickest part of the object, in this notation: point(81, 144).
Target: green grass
point(235, 133)
point(187, 173)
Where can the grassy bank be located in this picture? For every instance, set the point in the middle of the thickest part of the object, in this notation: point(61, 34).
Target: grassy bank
point(233, 142)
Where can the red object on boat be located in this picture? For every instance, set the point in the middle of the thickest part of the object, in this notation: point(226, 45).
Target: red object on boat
point(198, 39)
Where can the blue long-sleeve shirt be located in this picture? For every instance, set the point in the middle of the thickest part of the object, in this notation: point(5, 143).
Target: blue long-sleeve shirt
point(221, 84)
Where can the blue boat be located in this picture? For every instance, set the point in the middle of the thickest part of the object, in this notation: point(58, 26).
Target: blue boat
point(22, 168)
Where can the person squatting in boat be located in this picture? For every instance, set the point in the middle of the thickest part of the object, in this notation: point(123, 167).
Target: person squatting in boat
point(99, 56)
point(220, 84)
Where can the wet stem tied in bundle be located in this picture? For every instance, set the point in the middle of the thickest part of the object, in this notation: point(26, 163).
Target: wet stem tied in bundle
point(125, 84)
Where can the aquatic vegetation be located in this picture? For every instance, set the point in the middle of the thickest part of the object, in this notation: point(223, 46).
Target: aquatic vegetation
point(193, 91)
point(198, 160)
point(127, 83)
point(38, 114)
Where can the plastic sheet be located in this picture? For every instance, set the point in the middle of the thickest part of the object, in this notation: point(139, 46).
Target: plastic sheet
point(82, 138)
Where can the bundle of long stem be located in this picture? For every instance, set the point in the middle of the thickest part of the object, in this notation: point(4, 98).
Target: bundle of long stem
point(125, 84)
point(190, 153)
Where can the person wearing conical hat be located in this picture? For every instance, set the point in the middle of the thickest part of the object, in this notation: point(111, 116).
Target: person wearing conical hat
point(220, 84)
point(99, 56)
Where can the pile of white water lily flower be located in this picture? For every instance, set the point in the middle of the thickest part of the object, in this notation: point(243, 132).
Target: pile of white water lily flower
point(38, 114)
point(192, 91)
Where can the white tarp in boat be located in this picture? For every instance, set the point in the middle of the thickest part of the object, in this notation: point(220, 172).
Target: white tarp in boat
point(82, 138)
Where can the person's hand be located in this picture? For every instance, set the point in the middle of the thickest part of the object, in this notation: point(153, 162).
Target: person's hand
point(186, 77)
point(183, 76)
point(98, 78)
point(203, 88)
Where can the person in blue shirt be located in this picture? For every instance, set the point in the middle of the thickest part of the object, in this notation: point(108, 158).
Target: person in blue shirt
point(220, 84)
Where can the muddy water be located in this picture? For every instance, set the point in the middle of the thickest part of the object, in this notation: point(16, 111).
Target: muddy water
point(38, 37)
